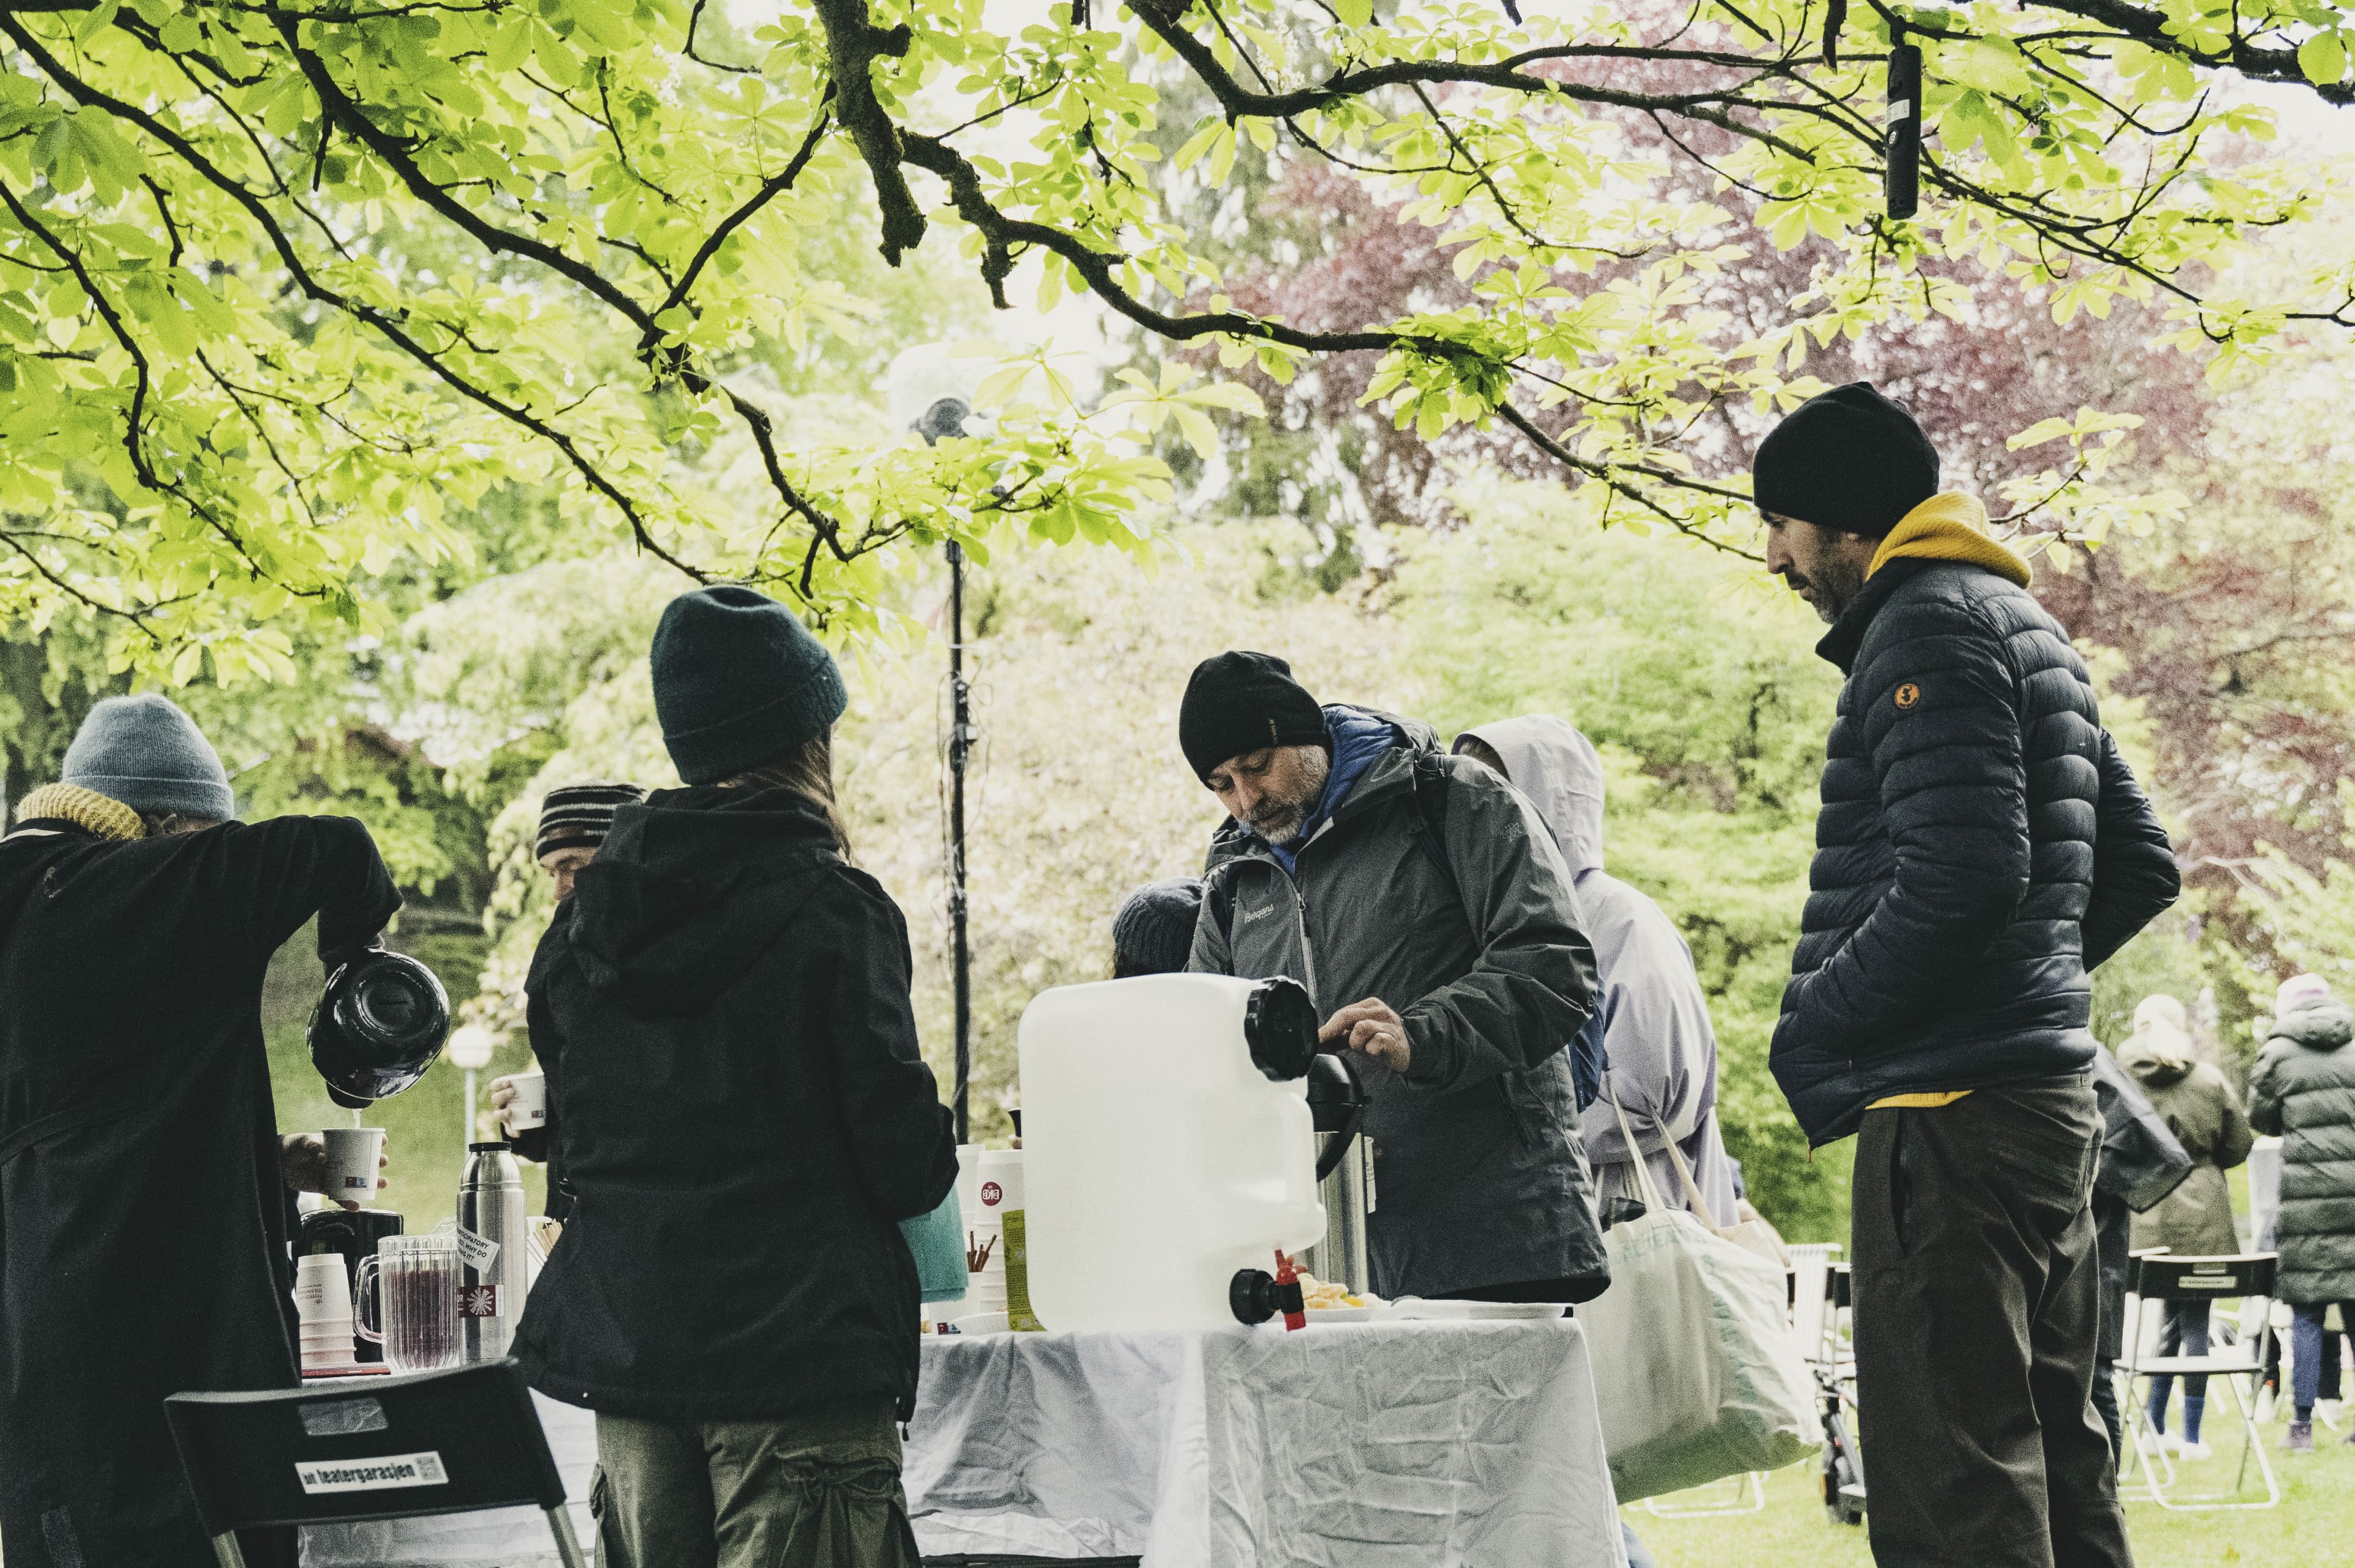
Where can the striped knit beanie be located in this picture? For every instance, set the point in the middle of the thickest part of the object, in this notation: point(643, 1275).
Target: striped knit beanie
point(579, 816)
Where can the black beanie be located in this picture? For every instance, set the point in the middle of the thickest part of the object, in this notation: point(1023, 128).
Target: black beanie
point(740, 682)
point(1153, 932)
point(1847, 459)
point(1239, 703)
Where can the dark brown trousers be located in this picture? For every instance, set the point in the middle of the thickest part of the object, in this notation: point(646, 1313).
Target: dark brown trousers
point(1977, 1318)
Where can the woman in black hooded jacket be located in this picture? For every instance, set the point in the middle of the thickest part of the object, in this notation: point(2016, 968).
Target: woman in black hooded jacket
point(733, 1075)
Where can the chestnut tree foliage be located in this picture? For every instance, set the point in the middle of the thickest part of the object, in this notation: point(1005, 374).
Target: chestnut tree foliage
point(285, 285)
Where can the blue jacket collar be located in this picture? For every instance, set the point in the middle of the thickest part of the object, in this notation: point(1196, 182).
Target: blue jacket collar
point(1356, 740)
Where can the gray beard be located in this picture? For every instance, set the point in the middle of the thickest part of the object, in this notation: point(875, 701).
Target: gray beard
point(1838, 587)
point(1280, 821)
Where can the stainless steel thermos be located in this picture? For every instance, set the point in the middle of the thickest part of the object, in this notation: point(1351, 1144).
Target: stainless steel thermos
point(494, 1252)
point(1345, 1174)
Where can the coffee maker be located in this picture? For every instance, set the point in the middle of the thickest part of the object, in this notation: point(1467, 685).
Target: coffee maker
point(1345, 1173)
point(351, 1234)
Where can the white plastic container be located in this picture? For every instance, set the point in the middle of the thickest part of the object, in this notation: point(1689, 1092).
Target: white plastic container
point(1161, 1157)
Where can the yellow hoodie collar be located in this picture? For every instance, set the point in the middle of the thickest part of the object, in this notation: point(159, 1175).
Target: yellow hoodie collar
point(1951, 528)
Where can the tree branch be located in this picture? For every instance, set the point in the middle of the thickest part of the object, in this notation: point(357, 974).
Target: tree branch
point(853, 46)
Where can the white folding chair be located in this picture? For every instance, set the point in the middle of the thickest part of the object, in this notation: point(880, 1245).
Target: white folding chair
point(2158, 1278)
point(1712, 1501)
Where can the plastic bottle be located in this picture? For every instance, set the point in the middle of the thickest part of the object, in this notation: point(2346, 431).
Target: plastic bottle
point(1166, 1146)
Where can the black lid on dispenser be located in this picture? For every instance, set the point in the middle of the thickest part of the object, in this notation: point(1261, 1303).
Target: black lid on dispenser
point(1280, 1026)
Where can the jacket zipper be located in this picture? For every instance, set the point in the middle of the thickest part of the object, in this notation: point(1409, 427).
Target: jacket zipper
point(1307, 948)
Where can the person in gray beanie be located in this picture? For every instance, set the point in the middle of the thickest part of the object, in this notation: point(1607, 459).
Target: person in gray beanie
point(146, 753)
point(149, 1197)
point(1154, 931)
point(741, 1113)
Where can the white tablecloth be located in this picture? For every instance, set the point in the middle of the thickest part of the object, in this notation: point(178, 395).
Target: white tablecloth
point(1461, 1445)
point(1374, 1446)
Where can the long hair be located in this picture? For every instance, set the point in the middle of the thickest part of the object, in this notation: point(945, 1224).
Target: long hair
point(808, 772)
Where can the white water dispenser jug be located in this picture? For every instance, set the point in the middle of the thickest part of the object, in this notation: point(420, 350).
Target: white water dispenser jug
point(1167, 1146)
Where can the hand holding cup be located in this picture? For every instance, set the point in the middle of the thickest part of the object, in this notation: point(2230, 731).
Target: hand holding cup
point(521, 1101)
point(344, 1163)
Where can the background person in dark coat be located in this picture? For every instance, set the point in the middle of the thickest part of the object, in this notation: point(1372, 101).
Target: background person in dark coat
point(2141, 1164)
point(574, 820)
point(1422, 901)
point(1980, 847)
point(2303, 1092)
point(744, 1119)
point(143, 1184)
point(1153, 930)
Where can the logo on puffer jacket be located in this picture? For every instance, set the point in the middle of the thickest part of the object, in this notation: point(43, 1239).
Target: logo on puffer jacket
point(1908, 694)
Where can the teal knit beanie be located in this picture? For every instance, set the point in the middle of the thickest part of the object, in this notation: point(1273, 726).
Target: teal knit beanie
point(740, 682)
point(146, 753)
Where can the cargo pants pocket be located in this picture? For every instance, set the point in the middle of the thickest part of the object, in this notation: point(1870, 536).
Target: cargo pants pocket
point(612, 1550)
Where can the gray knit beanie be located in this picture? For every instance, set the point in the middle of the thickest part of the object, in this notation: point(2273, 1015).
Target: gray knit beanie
point(1153, 932)
point(740, 682)
point(144, 752)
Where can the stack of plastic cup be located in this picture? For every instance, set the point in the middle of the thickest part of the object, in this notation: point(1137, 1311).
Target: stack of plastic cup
point(323, 1309)
point(984, 1237)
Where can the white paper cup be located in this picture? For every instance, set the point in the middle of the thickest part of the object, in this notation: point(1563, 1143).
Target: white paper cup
point(1001, 1182)
point(969, 1180)
point(352, 1156)
point(323, 1289)
point(528, 1109)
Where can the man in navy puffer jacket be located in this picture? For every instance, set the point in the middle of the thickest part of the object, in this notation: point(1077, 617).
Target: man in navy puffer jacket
point(1981, 847)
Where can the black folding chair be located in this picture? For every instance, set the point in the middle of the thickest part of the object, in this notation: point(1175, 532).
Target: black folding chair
point(2156, 1279)
point(395, 1448)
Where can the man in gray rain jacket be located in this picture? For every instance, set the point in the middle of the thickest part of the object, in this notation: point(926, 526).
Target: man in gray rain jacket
point(1425, 906)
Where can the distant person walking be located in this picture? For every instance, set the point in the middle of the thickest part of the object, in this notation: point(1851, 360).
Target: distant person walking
point(1981, 846)
point(1654, 1016)
point(2197, 1101)
point(2304, 1090)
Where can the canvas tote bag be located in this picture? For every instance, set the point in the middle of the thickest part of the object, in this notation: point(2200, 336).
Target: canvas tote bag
point(1697, 1369)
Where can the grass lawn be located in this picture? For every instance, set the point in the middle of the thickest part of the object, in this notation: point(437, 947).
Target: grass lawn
point(2314, 1525)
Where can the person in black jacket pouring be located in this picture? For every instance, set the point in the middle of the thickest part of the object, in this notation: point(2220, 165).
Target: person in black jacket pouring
point(1981, 847)
point(144, 1187)
point(743, 1119)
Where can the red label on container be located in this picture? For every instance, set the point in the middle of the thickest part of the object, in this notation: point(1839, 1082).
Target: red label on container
point(478, 1301)
point(992, 1194)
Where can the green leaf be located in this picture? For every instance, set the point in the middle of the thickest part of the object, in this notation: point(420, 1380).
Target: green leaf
point(2323, 58)
point(1355, 13)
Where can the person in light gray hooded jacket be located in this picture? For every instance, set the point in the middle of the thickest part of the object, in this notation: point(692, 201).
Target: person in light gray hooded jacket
point(1656, 1021)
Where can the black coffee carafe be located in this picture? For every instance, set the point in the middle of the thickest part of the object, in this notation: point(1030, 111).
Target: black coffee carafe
point(352, 1234)
point(378, 1025)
